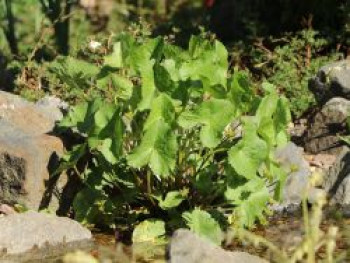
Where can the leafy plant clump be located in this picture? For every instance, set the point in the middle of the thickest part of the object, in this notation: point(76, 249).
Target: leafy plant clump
point(289, 62)
point(182, 142)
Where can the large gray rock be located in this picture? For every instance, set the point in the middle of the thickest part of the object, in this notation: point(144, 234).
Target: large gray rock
point(34, 119)
point(37, 234)
point(322, 136)
point(332, 80)
point(292, 161)
point(186, 247)
point(53, 107)
point(28, 152)
point(337, 179)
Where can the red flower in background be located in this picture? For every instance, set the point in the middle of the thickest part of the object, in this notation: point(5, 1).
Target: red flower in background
point(209, 3)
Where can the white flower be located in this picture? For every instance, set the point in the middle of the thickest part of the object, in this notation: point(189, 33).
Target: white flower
point(93, 45)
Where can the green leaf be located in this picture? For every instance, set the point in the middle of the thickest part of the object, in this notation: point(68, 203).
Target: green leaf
point(123, 86)
point(268, 87)
point(76, 67)
point(173, 199)
point(88, 124)
point(274, 115)
point(267, 106)
point(157, 149)
point(71, 158)
point(115, 60)
point(209, 63)
point(98, 118)
point(203, 224)
point(163, 80)
point(142, 59)
point(91, 207)
point(148, 87)
point(108, 150)
point(345, 139)
point(249, 153)
point(108, 137)
point(102, 124)
point(162, 110)
point(281, 120)
point(170, 66)
point(102, 117)
point(267, 130)
point(150, 230)
point(75, 116)
point(88, 117)
point(214, 115)
point(74, 72)
point(251, 200)
point(240, 92)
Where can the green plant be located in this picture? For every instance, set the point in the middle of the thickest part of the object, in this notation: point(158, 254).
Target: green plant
point(289, 62)
point(174, 139)
point(16, 38)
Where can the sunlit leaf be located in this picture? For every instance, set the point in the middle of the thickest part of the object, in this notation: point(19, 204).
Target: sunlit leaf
point(203, 224)
point(115, 60)
point(150, 230)
point(249, 153)
point(250, 200)
point(171, 200)
point(213, 115)
point(157, 149)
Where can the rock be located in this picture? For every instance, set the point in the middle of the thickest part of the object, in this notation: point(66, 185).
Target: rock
point(323, 161)
point(326, 126)
point(27, 116)
point(40, 235)
point(7, 210)
point(292, 160)
point(187, 247)
point(332, 80)
point(55, 105)
point(337, 179)
point(28, 153)
point(298, 128)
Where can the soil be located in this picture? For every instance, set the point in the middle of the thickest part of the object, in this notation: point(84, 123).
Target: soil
point(287, 230)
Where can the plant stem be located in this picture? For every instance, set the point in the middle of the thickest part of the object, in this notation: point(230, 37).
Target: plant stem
point(149, 186)
point(11, 31)
point(257, 240)
point(207, 156)
point(59, 17)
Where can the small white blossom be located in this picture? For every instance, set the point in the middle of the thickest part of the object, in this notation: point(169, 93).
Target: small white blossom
point(93, 45)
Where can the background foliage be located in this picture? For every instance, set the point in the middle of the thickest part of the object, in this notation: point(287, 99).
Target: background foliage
point(177, 130)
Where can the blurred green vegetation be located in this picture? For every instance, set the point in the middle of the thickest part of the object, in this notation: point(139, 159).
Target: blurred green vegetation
point(283, 41)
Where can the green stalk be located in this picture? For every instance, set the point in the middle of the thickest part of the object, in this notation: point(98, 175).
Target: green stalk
point(308, 234)
point(10, 32)
point(58, 14)
point(149, 186)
